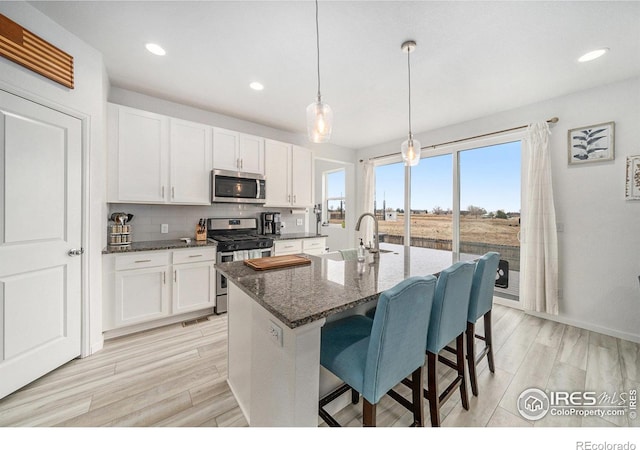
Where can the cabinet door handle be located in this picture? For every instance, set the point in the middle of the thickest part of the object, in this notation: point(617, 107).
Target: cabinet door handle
point(242, 163)
point(173, 192)
point(175, 276)
point(164, 277)
point(238, 163)
point(162, 191)
point(288, 198)
point(143, 261)
point(195, 256)
point(294, 198)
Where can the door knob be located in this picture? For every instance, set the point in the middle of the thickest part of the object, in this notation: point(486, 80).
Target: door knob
point(75, 252)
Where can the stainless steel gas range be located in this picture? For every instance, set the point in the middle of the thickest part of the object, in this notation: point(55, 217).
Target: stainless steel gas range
point(236, 239)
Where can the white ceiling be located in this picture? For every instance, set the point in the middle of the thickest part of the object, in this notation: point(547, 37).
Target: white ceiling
point(472, 59)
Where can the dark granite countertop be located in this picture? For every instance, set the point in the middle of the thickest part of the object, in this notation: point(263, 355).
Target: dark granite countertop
point(145, 246)
point(303, 294)
point(284, 237)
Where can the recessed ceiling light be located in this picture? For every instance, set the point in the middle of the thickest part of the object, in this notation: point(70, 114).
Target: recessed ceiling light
point(593, 55)
point(256, 86)
point(155, 49)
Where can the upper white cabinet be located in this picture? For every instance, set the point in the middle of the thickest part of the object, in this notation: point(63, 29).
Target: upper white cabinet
point(138, 155)
point(157, 159)
point(238, 152)
point(301, 176)
point(289, 175)
point(190, 163)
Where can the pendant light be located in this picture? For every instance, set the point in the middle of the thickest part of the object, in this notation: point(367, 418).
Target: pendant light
point(319, 114)
point(411, 147)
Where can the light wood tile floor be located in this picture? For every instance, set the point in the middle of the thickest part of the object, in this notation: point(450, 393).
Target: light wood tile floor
point(175, 377)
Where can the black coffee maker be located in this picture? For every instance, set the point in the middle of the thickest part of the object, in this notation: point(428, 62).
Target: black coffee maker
point(270, 223)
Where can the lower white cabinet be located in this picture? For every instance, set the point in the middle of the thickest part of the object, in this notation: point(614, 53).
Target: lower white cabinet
point(287, 247)
point(152, 287)
point(314, 246)
point(194, 283)
point(310, 246)
point(141, 295)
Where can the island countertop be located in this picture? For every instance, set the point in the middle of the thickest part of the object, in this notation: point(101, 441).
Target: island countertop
point(326, 286)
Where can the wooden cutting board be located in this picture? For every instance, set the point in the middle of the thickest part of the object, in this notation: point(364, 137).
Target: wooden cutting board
point(276, 262)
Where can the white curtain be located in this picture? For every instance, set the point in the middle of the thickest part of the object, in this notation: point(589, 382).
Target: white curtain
point(366, 228)
point(539, 240)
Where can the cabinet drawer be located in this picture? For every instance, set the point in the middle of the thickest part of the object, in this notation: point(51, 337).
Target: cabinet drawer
point(142, 260)
point(194, 255)
point(288, 246)
point(313, 244)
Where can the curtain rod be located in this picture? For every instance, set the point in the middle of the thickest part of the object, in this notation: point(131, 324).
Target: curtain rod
point(552, 120)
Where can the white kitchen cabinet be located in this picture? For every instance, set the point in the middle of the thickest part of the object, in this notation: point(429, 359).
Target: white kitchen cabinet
point(251, 154)
point(190, 153)
point(287, 247)
point(289, 175)
point(142, 290)
point(314, 246)
point(141, 294)
point(237, 152)
point(277, 173)
point(194, 280)
point(138, 155)
point(301, 177)
point(157, 159)
point(226, 148)
point(310, 246)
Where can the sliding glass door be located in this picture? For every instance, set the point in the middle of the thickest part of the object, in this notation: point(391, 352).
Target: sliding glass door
point(464, 200)
point(432, 203)
point(389, 202)
point(490, 208)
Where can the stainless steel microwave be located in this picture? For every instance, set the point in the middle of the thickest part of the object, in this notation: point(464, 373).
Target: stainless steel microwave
point(237, 187)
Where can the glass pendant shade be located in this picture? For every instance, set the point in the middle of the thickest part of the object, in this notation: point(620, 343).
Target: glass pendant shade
point(319, 121)
point(410, 151)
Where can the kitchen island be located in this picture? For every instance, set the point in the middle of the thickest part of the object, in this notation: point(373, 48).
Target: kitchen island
point(275, 319)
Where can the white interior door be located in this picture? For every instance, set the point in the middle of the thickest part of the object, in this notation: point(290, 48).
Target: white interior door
point(40, 223)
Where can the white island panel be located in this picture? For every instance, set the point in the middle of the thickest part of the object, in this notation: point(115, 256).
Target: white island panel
point(275, 385)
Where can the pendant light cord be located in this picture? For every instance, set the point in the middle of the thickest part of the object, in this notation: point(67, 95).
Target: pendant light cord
point(409, 71)
point(318, 48)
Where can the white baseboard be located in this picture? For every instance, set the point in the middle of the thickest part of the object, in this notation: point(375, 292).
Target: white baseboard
point(588, 326)
point(117, 332)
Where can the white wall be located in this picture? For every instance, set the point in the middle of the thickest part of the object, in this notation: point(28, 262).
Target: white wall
point(160, 106)
point(600, 244)
point(85, 100)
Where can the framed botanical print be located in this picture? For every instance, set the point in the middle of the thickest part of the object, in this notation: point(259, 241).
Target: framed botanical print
point(591, 144)
point(632, 191)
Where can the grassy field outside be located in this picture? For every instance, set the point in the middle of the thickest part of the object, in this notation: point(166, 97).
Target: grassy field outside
point(432, 226)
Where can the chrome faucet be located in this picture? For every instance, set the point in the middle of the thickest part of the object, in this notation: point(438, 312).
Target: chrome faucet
point(375, 250)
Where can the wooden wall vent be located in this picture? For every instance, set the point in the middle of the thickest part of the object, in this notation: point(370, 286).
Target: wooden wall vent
point(25, 48)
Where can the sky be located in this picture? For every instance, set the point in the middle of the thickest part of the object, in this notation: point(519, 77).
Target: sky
point(489, 178)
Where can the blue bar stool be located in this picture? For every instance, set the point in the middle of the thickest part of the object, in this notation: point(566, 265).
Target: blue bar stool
point(373, 355)
point(448, 322)
point(480, 304)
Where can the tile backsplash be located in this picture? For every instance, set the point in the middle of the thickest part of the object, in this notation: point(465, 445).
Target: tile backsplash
point(182, 219)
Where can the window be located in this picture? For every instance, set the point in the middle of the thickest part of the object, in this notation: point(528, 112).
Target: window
point(464, 200)
point(334, 197)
